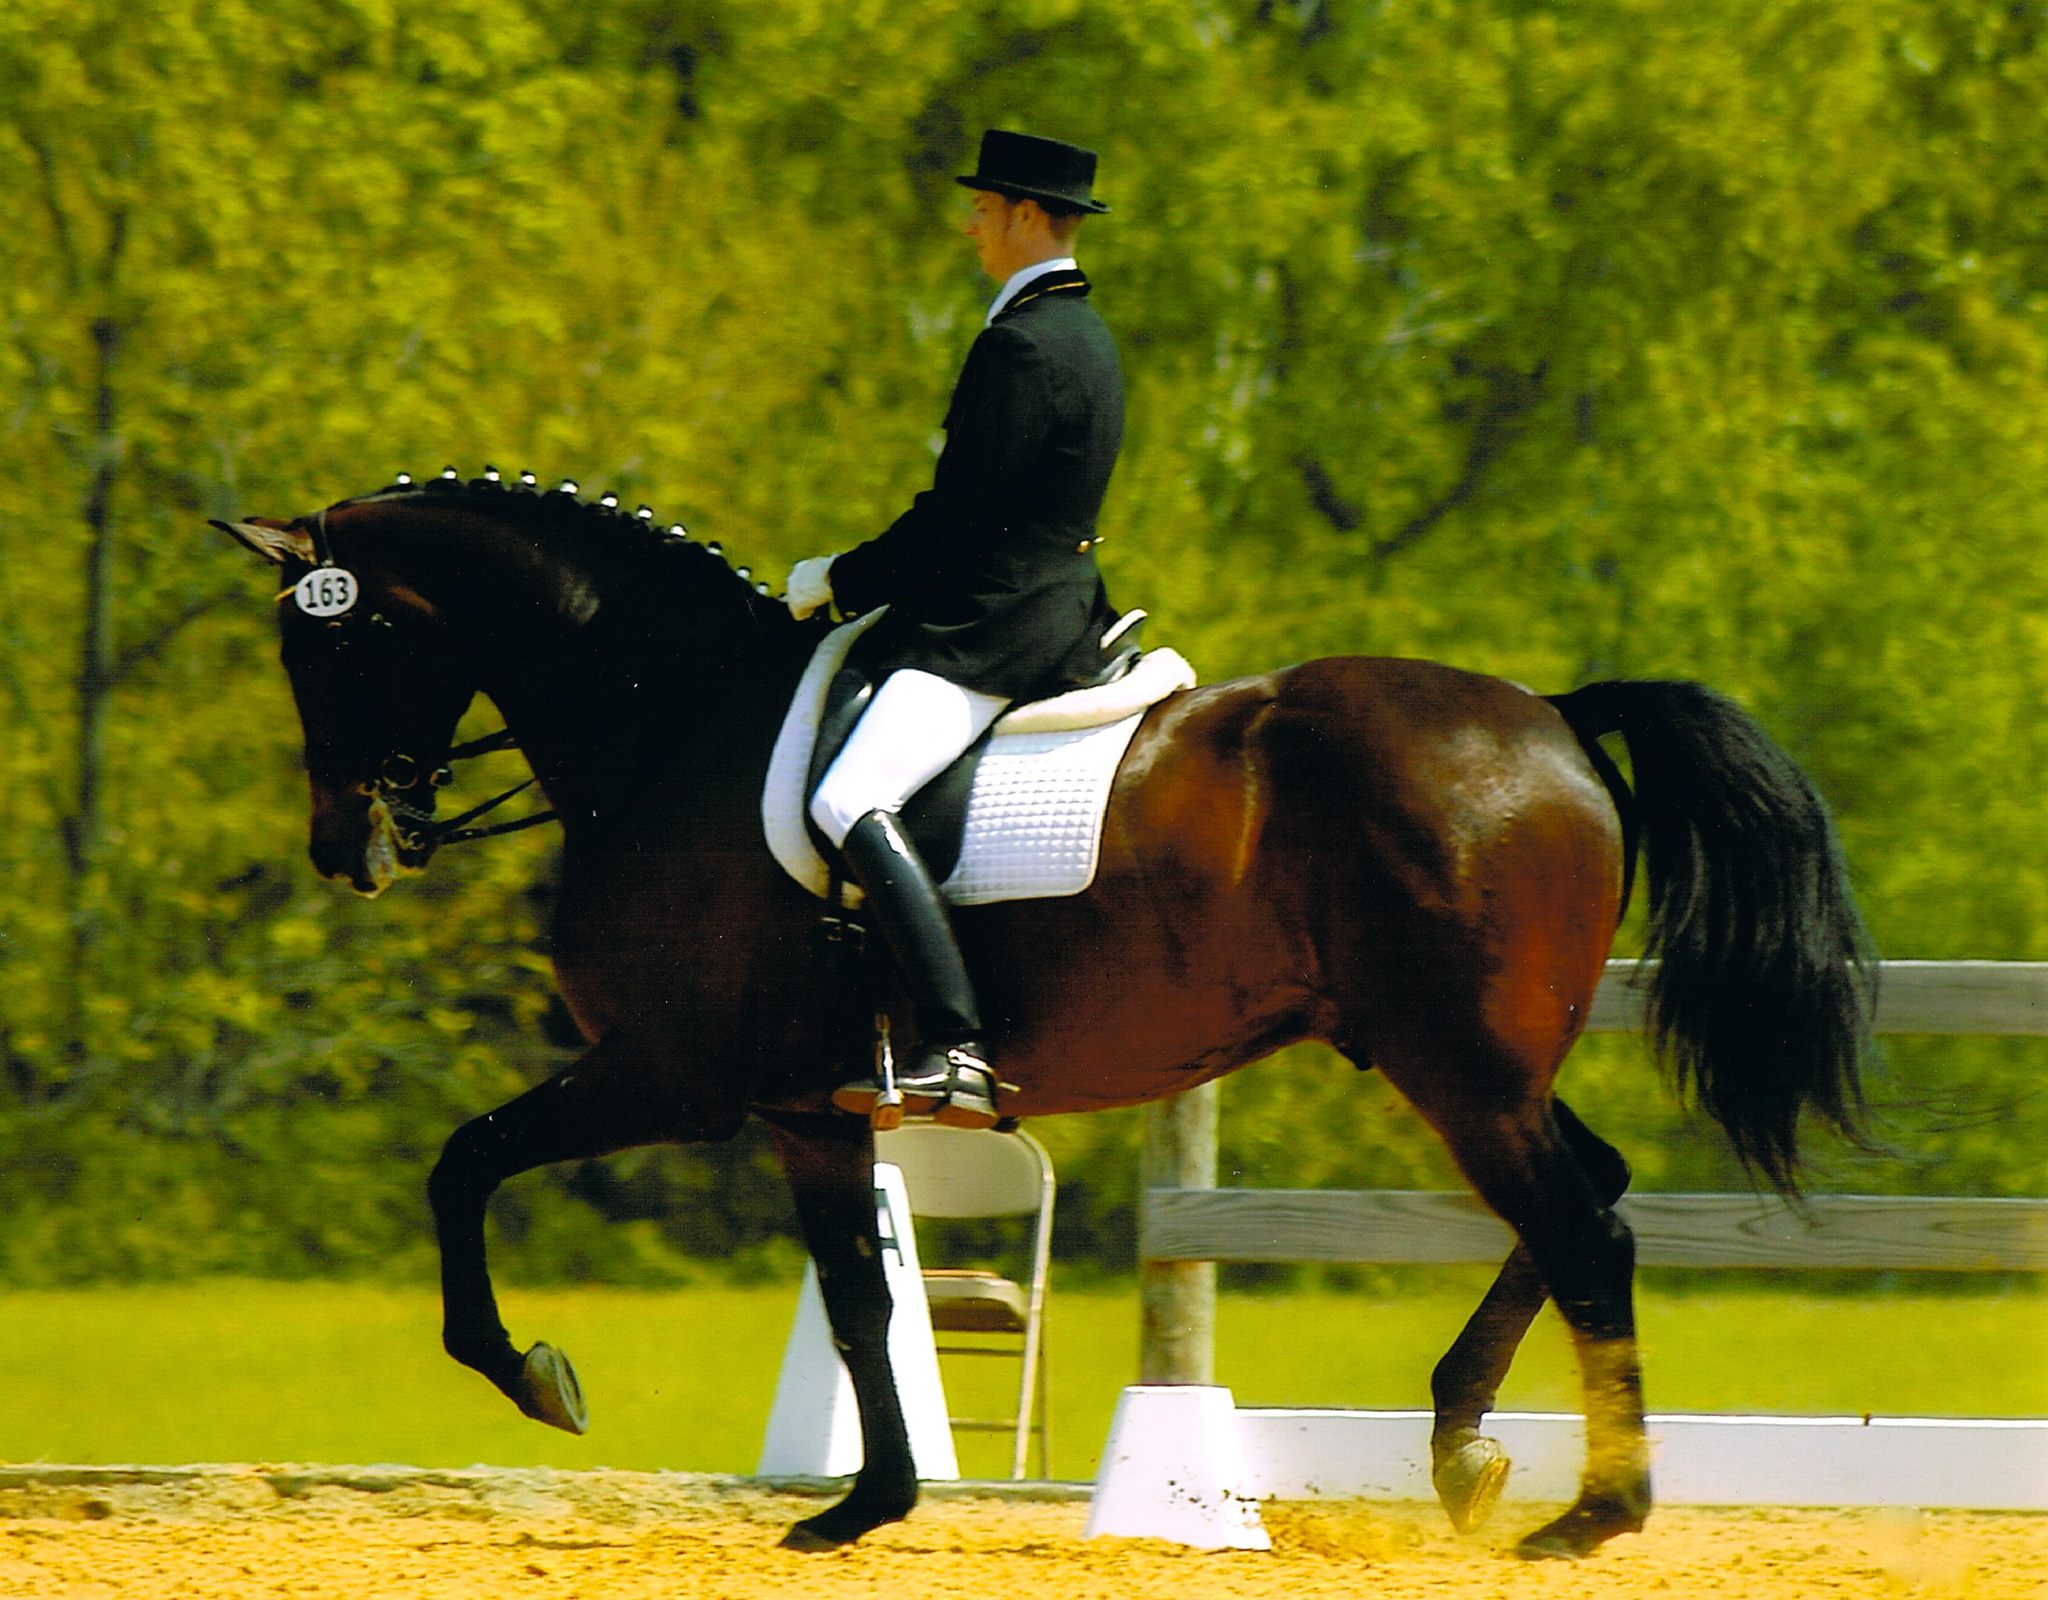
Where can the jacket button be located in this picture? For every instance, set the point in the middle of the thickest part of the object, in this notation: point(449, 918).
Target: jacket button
point(1085, 546)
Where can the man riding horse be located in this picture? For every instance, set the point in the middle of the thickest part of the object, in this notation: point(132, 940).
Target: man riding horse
point(991, 584)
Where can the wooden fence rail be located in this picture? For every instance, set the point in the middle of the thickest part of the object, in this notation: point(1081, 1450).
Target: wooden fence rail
point(1186, 1227)
point(1398, 1226)
point(2005, 999)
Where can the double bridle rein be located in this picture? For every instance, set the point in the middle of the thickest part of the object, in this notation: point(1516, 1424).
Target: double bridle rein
point(401, 774)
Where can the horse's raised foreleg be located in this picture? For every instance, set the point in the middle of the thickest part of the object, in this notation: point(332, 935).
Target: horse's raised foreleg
point(1468, 1468)
point(614, 1098)
point(830, 1164)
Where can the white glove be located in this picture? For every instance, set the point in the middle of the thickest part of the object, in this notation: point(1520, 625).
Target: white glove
point(810, 586)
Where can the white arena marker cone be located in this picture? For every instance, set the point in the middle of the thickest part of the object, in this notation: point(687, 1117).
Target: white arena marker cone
point(814, 1427)
point(1173, 1470)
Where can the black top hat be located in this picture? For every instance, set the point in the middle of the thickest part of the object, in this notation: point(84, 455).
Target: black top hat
point(1025, 167)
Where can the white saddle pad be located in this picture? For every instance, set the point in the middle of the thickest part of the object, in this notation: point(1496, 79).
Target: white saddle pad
point(1034, 816)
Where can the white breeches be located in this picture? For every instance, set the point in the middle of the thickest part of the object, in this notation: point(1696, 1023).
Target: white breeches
point(913, 729)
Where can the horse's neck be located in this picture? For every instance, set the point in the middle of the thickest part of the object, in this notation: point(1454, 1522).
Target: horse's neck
point(605, 703)
point(598, 738)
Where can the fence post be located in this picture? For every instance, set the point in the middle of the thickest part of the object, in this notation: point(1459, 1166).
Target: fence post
point(1177, 1299)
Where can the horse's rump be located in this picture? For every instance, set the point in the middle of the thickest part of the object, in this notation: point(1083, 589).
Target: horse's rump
point(1316, 852)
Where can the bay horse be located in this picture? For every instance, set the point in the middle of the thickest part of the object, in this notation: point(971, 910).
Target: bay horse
point(1422, 866)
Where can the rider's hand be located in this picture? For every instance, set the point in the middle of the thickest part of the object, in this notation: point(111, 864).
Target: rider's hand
point(810, 586)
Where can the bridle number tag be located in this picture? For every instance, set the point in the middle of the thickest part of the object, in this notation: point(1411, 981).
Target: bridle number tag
point(327, 592)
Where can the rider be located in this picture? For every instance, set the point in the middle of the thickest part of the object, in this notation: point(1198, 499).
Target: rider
point(991, 585)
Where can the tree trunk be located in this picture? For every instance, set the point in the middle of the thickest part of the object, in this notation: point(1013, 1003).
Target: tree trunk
point(85, 828)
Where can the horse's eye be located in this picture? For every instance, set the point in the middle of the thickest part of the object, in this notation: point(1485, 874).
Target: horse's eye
point(401, 771)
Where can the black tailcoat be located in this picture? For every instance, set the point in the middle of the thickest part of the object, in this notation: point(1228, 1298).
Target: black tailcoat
point(990, 576)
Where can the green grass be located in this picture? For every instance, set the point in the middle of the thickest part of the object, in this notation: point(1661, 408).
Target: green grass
point(683, 1379)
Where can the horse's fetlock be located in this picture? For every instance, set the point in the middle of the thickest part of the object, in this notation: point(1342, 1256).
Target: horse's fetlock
point(1618, 1508)
point(869, 1505)
point(1450, 1385)
point(891, 1501)
point(483, 1349)
point(464, 1348)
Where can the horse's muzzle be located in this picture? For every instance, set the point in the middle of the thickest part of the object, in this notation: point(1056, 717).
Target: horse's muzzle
point(362, 845)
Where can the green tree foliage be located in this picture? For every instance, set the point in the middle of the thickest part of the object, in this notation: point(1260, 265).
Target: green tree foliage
point(1557, 341)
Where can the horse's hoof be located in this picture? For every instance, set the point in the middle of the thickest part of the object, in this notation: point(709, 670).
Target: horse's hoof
point(1469, 1481)
point(549, 1392)
point(1553, 1544)
point(858, 1514)
point(1580, 1531)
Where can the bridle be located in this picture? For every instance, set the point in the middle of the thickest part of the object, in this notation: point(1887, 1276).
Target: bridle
point(400, 773)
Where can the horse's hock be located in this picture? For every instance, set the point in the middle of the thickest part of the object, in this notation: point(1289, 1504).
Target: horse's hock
point(244, 1533)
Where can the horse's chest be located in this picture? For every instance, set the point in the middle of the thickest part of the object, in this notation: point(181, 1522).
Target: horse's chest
point(662, 952)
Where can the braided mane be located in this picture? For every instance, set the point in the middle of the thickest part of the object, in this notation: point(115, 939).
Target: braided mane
point(523, 500)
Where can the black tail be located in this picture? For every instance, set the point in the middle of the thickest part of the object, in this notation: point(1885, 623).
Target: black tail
point(1763, 990)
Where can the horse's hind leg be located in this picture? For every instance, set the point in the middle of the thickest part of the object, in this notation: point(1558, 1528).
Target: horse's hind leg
point(1519, 1159)
point(612, 1099)
point(1468, 1468)
point(829, 1161)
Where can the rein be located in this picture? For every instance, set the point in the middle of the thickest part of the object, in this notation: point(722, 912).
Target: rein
point(401, 773)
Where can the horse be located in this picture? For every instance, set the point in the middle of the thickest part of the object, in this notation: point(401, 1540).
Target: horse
point(1422, 866)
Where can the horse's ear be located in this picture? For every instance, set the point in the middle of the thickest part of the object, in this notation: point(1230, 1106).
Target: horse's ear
point(274, 541)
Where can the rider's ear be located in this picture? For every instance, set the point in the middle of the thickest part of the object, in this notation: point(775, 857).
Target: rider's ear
point(274, 541)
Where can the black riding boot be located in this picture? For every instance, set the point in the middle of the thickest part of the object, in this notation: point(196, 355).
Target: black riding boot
point(948, 1078)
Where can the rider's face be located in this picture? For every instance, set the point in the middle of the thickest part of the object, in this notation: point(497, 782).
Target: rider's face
point(992, 223)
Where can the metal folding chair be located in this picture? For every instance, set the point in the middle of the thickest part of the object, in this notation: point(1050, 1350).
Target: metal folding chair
point(955, 1173)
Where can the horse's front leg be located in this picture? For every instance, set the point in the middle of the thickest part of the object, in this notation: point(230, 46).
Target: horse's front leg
point(830, 1163)
point(1468, 1468)
point(619, 1095)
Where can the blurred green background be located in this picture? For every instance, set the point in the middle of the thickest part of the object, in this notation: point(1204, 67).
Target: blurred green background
point(1559, 341)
